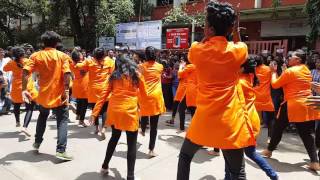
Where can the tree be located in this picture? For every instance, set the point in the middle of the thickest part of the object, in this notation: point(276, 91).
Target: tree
point(110, 13)
point(9, 11)
point(312, 8)
point(180, 15)
point(142, 8)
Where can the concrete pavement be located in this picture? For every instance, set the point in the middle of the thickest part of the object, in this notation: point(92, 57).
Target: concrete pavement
point(18, 161)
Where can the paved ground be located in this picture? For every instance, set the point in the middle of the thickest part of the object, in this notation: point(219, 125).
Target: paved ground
point(18, 161)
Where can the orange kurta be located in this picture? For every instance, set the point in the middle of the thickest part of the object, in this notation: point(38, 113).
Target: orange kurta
point(221, 120)
point(246, 82)
point(123, 104)
point(80, 83)
point(98, 76)
point(263, 90)
point(296, 83)
point(153, 104)
point(182, 88)
point(16, 92)
point(51, 65)
point(189, 73)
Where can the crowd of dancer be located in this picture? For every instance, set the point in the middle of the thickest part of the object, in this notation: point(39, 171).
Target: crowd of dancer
point(228, 93)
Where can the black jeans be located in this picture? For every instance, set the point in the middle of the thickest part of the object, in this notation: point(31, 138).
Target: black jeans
point(234, 161)
point(16, 111)
point(305, 130)
point(153, 129)
point(82, 105)
point(29, 112)
point(62, 113)
point(131, 153)
point(103, 113)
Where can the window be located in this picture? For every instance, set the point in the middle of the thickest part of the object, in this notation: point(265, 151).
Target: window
point(164, 2)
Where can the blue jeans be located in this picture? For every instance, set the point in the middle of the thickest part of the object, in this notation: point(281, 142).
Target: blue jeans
point(62, 114)
point(260, 161)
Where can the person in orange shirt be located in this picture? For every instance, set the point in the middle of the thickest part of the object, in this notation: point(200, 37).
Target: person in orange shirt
point(15, 66)
point(79, 87)
point(264, 103)
point(188, 72)
point(249, 80)
point(99, 68)
point(178, 103)
point(125, 84)
point(54, 79)
point(151, 106)
point(220, 121)
point(296, 83)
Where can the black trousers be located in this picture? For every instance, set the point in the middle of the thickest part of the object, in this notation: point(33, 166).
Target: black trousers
point(182, 112)
point(82, 105)
point(305, 130)
point(234, 161)
point(103, 113)
point(167, 94)
point(318, 137)
point(175, 108)
point(268, 119)
point(153, 129)
point(16, 111)
point(131, 153)
point(29, 112)
point(62, 113)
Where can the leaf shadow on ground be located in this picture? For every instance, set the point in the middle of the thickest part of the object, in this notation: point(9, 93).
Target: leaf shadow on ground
point(29, 156)
point(176, 141)
point(98, 176)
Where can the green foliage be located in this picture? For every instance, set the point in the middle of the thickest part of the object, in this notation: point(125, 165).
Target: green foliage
point(180, 15)
point(111, 12)
point(146, 8)
point(312, 8)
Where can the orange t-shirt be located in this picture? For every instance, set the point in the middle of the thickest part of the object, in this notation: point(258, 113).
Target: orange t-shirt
point(51, 66)
point(80, 83)
point(220, 120)
point(16, 92)
point(296, 83)
point(99, 73)
point(246, 82)
point(263, 90)
point(122, 110)
point(189, 73)
point(153, 104)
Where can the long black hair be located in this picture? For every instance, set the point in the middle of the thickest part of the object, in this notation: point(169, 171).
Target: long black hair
point(17, 54)
point(125, 67)
point(249, 67)
point(220, 17)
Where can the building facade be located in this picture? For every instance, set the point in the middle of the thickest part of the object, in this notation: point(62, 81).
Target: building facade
point(285, 26)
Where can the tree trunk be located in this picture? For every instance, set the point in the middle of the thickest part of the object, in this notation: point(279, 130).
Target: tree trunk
point(8, 33)
point(76, 24)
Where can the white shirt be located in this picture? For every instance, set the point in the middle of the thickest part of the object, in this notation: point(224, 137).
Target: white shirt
point(7, 75)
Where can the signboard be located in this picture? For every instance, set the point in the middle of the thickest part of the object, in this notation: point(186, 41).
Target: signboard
point(177, 38)
point(139, 35)
point(106, 42)
point(298, 27)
